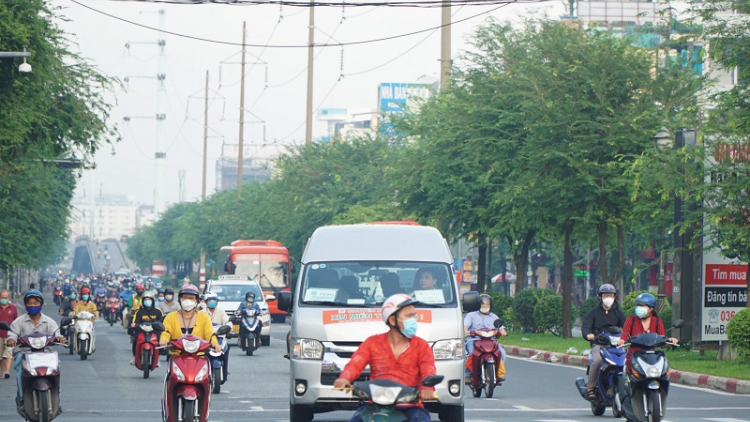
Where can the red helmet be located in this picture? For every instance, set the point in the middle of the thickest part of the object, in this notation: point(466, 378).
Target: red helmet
point(139, 288)
point(85, 291)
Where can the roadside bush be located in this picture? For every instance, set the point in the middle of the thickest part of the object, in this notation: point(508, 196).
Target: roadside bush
point(548, 313)
point(587, 306)
point(502, 306)
point(524, 305)
point(738, 332)
point(628, 307)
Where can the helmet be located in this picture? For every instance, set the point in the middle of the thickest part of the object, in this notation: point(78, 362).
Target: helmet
point(33, 293)
point(485, 299)
point(147, 294)
point(188, 289)
point(168, 291)
point(646, 299)
point(85, 290)
point(394, 304)
point(159, 290)
point(607, 288)
point(139, 288)
point(210, 296)
point(249, 295)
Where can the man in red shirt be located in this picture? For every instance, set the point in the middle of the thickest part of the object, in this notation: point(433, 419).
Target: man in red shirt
point(397, 355)
point(8, 313)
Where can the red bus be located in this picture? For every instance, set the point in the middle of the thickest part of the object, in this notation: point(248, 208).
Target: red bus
point(267, 263)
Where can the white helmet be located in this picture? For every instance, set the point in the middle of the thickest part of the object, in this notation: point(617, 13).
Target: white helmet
point(394, 303)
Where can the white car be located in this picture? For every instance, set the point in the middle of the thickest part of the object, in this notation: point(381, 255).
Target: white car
point(231, 294)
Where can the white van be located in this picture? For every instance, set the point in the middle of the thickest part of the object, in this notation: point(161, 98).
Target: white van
point(347, 272)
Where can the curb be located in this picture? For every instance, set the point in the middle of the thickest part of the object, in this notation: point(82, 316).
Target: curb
point(730, 385)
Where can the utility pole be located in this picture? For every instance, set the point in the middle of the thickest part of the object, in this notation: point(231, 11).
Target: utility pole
point(310, 50)
point(240, 159)
point(202, 270)
point(445, 46)
point(160, 155)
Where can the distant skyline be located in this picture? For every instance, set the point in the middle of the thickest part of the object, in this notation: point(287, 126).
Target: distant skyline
point(345, 77)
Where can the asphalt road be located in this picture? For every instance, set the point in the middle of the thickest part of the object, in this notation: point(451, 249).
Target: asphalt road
point(105, 387)
point(116, 260)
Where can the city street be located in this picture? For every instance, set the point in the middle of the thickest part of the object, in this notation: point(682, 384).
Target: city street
point(106, 387)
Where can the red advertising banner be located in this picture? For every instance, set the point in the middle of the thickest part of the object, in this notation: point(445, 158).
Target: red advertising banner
point(726, 275)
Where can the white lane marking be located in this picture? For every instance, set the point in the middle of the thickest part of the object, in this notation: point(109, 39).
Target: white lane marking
point(556, 420)
point(476, 420)
point(245, 401)
point(724, 419)
point(256, 408)
point(523, 408)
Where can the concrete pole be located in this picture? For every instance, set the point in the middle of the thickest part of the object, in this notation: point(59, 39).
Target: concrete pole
point(240, 157)
point(203, 186)
point(161, 154)
point(310, 51)
point(445, 46)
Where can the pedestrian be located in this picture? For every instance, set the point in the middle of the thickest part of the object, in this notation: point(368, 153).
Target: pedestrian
point(8, 313)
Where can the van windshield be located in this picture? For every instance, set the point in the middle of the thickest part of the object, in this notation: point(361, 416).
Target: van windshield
point(369, 283)
point(235, 292)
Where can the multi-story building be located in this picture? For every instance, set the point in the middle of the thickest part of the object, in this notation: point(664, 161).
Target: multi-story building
point(257, 163)
point(104, 217)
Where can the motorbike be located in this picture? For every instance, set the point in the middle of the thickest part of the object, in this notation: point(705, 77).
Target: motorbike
point(57, 296)
point(484, 360)
point(187, 386)
point(146, 348)
point(40, 377)
point(218, 362)
point(83, 340)
point(643, 389)
point(384, 395)
point(113, 307)
point(248, 340)
point(610, 370)
point(100, 299)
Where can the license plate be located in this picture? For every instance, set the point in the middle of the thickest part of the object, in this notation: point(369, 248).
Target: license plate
point(236, 328)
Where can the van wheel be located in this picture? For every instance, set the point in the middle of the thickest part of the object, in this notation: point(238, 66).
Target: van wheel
point(451, 414)
point(299, 413)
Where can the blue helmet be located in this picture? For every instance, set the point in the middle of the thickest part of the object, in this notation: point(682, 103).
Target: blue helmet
point(33, 293)
point(645, 299)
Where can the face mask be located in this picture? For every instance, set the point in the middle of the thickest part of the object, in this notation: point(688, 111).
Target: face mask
point(169, 297)
point(85, 297)
point(188, 305)
point(608, 302)
point(148, 302)
point(4, 302)
point(485, 310)
point(641, 311)
point(250, 302)
point(212, 304)
point(160, 298)
point(410, 327)
point(72, 297)
point(34, 310)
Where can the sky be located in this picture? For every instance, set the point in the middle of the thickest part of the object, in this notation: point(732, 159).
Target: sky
point(275, 91)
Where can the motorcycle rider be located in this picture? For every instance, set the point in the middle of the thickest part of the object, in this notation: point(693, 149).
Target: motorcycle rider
point(397, 355)
point(66, 309)
point(8, 313)
point(607, 314)
point(34, 321)
point(218, 316)
point(478, 320)
point(85, 304)
point(169, 304)
point(188, 320)
point(147, 313)
point(249, 303)
point(645, 320)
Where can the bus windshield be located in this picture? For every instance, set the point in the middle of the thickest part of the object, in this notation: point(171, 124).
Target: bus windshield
point(268, 270)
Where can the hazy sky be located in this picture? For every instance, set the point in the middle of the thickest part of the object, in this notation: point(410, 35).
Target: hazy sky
point(275, 87)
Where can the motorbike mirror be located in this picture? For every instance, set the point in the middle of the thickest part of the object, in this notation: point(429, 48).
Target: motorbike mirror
point(498, 323)
point(65, 321)
point(224, 329)
point(432, 380)
point(614, 330)
point(158, 326)
point(678, 323)
point(4, 326)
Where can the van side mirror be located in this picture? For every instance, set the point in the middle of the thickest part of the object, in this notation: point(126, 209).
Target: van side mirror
point(285, 301)
point(471, 302)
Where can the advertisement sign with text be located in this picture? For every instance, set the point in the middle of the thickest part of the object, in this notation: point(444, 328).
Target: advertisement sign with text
point(724, 294)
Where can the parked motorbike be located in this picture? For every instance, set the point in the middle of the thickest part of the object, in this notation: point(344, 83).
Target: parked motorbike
point(218, 361)
point(484, 361)
point(57, 295)
point(113, 307)
point(642, 391)
point(146, 348)
point(40, 377)
point(249, 340)
point(187, 386)
point(610, 369)
point(384, 395)
point(83, 339)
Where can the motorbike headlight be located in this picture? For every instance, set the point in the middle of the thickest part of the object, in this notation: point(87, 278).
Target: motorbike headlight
point(191, 346)
point(408, 398)
point(486, 334)
point(384, 396)
point(448, 349)
point(653, 372)
point(202, 373)
point(177, 372)
point(613, 340)
point(38, 342)
point(308, 349)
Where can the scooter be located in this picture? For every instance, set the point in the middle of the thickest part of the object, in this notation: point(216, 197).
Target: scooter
point(248, 340)
point(100, 300)
point(610, 370)
point(484, 360)
point(83, 339)
point(146, 348)
point(642, 391)
point(40, 376)
point(384, 395)
point(57, 295)
point(218, 362)
point(113, 306)
point(187, 386)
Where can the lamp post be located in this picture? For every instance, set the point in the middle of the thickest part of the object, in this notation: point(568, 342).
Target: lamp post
point(663, 141)
point(24, 67)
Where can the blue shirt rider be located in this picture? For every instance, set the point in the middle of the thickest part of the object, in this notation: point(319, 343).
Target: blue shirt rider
point(249, 304)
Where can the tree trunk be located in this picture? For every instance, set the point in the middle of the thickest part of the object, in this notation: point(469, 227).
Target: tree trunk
point(489, 265)
point(481, 262)
point(567, 280)
point(521, 259)
point(620, 255)
point(601, 229)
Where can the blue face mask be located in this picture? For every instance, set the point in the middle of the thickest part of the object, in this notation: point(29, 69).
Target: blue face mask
point(410, 327)
point(212, 304)
point(73, 297)
point(640, 311)
point(4, 302)
point(148, 302)
point(33, 310)
point(160, 298)
point(85, 297)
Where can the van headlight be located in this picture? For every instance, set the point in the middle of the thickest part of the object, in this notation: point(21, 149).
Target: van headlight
point(307, 349)
point(448, 349)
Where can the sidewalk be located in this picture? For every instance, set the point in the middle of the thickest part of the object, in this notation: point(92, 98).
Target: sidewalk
point(688, 378)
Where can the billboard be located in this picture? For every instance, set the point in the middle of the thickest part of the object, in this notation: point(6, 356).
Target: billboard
point(398, 97)
point(724, 294)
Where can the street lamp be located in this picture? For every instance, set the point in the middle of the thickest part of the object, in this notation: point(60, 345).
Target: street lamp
point(663, 141)
point(24, 68)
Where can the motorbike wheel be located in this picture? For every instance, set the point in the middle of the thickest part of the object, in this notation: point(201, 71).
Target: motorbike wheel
point(146, 363)
point(597, 410)
point(83, 348)
point(43, 400)
point(477, 392)
point(489, 379)
point(70, 343)
point(249, 346)
point(654, 406)
point(616, 413)
point(188, 410)
point(216, 380)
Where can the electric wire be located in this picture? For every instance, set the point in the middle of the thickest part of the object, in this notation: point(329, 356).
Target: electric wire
point(307, 4)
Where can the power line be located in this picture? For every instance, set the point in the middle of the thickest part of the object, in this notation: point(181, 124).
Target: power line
point(502, 4)
point(302, 4)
